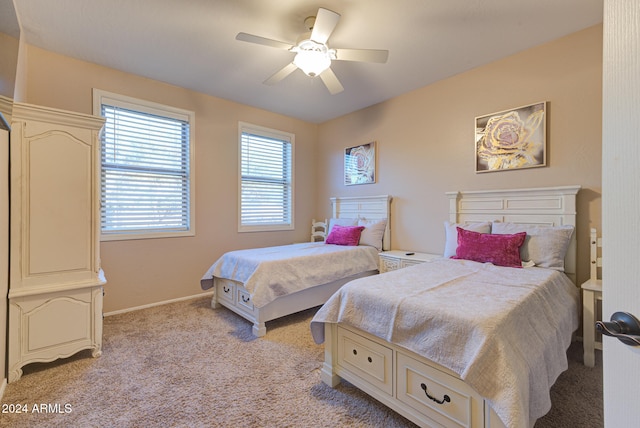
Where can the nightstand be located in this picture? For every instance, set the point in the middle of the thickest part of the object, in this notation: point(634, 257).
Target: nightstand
point(398, 259)
point(591, 295)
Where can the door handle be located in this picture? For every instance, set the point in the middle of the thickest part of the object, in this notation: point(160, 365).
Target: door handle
point(623, 326)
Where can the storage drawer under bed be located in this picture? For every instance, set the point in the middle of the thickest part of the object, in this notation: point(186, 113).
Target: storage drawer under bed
point(436, 394)
point(225, 290)
point(370, 360)
point(244, 299)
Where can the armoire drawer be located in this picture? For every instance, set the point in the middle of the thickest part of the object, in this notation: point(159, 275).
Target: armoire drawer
point(370, 360)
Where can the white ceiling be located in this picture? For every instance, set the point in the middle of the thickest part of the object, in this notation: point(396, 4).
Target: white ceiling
point(191, 43)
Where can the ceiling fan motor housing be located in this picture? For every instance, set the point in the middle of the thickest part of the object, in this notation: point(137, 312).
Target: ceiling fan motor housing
point(309, 22)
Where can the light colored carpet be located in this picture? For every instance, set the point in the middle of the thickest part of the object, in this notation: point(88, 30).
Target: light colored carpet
point(187, 365)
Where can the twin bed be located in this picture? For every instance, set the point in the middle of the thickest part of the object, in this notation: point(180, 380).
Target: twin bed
point(267, 283)
point(459, 343)
point(451, 342)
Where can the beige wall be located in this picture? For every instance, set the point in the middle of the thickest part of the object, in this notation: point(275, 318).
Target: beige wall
point(8, 64)
point(4, 248)
point(426, 139)
point(141, 272)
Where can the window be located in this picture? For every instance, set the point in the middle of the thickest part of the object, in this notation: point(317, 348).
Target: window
point(146, 157)
point(266, 183)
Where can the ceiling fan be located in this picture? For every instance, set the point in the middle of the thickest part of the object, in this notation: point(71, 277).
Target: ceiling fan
point(313, 56)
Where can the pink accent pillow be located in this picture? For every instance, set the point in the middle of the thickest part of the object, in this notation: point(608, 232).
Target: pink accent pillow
point(344, 235)
point(501, 250)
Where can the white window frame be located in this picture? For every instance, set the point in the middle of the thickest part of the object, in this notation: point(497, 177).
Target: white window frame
point(278, 135)
point(103, 97)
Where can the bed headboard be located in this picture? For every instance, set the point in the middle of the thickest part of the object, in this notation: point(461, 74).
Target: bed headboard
point(367, 207)
point(546, 206)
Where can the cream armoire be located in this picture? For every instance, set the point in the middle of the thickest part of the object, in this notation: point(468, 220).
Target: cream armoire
point(56, 283)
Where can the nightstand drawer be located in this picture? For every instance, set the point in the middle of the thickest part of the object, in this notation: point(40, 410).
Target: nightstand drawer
point(407, 263)
point(397, 259)
point(387, 264)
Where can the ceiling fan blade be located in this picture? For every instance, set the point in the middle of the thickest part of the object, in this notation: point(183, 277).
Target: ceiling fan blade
point(263, 41)
point(281, 74)
point(326, 21)
point(364, 55)
point(331, 81)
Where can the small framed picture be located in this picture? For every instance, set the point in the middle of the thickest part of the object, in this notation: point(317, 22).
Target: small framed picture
point(360, 164)
point(511, 139)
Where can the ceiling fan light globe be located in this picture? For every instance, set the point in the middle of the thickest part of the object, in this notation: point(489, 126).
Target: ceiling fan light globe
point(312, 63)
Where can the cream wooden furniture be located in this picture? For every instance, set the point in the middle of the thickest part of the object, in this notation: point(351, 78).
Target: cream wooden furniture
point(319, 230)
point(4, 242)
point(398, 259)
point(55, 291)
point(394, 375)
point(591, 298)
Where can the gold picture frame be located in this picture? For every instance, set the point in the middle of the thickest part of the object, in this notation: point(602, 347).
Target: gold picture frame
point(360, 164)
point(511, 139)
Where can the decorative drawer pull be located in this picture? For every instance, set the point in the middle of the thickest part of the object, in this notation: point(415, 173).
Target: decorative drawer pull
point(369, 359)
point(445, 399)
point(225, 289)
point(355, 352)
point(246, 299)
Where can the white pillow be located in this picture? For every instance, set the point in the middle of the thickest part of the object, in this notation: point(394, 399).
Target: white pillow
point(341, 222)
point(373, 232)
point(451, 234)
point(546, 246)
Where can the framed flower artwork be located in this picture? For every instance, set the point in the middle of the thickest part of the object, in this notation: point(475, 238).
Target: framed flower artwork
point(511, 139)
point(360, 164)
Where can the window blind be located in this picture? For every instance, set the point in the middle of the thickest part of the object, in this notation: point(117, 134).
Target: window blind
point(145, 172)
point(266, 185)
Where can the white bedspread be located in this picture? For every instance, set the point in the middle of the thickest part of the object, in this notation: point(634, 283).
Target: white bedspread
point(270, 272)
point(504, 331)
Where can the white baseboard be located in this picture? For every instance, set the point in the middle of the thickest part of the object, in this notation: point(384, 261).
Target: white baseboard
point(151, 305)
point(3, 387)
